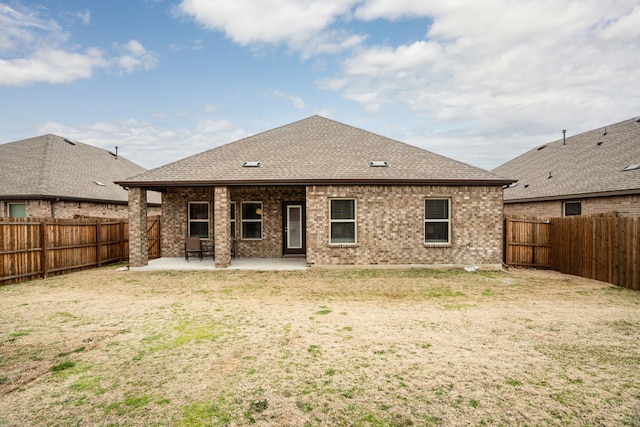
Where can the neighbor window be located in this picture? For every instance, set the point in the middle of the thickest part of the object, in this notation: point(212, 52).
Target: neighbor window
point(572, 208)
point(437, 221)
point(251, 220)
point(199, 219)
point(17, 210)
point(343, 221)
point(232, 220)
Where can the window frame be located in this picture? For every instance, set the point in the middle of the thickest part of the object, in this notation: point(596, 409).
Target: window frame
point(10, 204)
point(437, 220)
point(201, 221)
point(244, 220)
point(354, 221)
point(564, 208)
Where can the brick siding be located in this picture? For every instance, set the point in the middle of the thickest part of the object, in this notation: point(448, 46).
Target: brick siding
point(70, 210)
point(621, 205)
point(390, 221)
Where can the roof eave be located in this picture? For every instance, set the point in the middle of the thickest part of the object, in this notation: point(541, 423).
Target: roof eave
point(66, 199)
point(159, 185)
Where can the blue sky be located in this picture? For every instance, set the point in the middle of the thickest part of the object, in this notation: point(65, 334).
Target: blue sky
point(480, 82)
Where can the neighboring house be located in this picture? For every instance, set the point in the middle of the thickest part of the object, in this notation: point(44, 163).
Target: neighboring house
point(52, 177)
point(326, 191)
point(591, 173)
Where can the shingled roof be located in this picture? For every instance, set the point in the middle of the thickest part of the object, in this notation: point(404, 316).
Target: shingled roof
point(315, 150)
point(50, 166)
point(599, 162)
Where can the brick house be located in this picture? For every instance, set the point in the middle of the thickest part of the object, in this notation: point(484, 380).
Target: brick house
point(591, 173)
point(329, 192)
point(53, 177)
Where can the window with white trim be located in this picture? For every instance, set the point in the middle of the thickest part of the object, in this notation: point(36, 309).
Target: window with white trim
point(572, 208)
point(342, 214)
point(437, 221)
point(199, 219)
point(251, 220)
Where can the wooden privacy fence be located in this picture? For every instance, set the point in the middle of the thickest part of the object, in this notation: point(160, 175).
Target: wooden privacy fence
point(31, 248)
point(605, 248)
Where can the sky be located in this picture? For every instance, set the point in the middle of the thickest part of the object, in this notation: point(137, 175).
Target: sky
point(478, 81)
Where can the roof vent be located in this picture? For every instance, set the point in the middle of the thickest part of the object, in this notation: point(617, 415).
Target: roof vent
point(526, 186)
point(541, 147)
point(251, 164)
point(605, 132)
point(70, 141)
point(513, 184)
point(101, 184)
point(638, 120)
point(378, 164)
point(599, 143)
point(550, 176)
point(632, 167)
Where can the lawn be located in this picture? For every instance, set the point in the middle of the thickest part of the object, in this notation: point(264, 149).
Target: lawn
point(354, 347)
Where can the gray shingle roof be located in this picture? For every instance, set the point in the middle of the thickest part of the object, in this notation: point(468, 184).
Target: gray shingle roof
point(591, 162)
point(49, 166)
point(314, 150)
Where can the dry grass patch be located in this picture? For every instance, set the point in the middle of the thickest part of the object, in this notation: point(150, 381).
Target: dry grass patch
point(319, 347)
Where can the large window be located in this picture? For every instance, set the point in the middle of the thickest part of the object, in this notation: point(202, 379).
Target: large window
point(17, 210)
point(199, 219)
point(251, 220)
point(572, 208)
point(437, 221)
point(343, 221)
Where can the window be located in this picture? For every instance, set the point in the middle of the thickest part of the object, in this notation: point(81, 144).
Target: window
point(343, 221)
point(232, 219)
point(199, 219)
point(17, 210)
point(572, 208)
point(251, 220)
point(437, 221)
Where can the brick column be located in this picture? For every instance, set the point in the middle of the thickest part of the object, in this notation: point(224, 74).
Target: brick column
point(138, 243)
point(222, 234)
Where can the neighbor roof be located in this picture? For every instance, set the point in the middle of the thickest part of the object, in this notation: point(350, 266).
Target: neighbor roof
point(586, 165)
point(50, 167)
point(315, 150)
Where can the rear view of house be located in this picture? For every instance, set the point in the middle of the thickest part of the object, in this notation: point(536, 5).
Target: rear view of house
point(54, 177)
point(591, 173)
point(329, 192)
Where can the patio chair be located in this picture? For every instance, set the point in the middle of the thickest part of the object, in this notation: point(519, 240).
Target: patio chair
point(192, 245)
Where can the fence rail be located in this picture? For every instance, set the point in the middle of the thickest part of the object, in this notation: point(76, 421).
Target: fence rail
point(605, 248)
point(31, 248)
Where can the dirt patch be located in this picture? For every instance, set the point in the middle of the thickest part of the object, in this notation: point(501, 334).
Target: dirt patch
point(319, 347)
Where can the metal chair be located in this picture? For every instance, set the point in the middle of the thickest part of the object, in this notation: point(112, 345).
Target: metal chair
point(192, 245)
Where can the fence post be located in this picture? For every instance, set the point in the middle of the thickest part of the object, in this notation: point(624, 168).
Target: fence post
point(98, 246)
point(44, 257)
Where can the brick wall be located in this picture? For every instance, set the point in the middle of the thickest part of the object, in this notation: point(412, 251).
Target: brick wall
point(138, 239)
point(390, 223)
point(390, 226)
point(622, 205)
point(69, 210)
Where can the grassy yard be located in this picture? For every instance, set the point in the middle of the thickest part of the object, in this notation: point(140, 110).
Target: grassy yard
point(320, 347)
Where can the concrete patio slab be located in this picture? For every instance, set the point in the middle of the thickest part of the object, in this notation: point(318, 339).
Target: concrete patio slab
point(261, 264)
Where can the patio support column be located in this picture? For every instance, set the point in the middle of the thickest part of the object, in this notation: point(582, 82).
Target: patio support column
point(138, 241)
point(221, 229)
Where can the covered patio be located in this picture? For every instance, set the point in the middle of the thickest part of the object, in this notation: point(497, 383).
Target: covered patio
point(261, 264)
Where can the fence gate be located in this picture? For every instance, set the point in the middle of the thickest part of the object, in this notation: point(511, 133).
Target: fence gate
point(527, 242)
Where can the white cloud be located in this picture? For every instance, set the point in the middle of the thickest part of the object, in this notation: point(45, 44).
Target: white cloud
point(296, 101)
point(502, 67)
point(301, 25)
point(35, 51)
point(133, 56)
point(52, 66)
point(137, 139)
